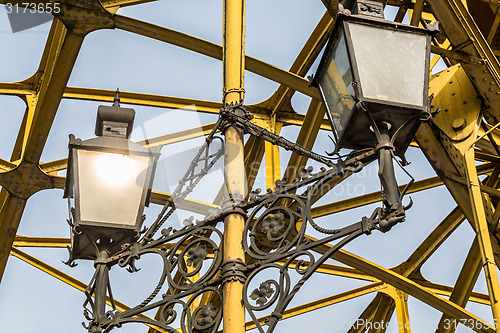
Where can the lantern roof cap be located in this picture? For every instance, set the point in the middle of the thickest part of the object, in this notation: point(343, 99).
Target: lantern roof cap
point(114, 120)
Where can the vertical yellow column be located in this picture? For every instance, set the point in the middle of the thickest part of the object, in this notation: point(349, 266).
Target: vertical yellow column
point(401, 300)
point(483, 235)
point(234, 168)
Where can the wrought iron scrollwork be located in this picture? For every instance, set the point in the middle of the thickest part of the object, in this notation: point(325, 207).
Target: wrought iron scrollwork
point(196, 256)
point(275, 239)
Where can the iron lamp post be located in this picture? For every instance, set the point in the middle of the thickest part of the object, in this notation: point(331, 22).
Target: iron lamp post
point(373, 80)
point(110, 178)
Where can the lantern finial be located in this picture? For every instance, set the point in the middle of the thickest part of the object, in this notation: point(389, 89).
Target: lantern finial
point(366, 7)
point(116, 101)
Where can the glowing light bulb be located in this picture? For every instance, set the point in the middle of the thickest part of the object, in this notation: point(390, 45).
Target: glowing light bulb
point(116, 169)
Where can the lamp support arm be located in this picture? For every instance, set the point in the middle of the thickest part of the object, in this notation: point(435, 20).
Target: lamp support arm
point(393, 210)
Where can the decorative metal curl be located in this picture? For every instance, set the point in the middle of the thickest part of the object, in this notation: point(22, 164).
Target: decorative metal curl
point(274, 239)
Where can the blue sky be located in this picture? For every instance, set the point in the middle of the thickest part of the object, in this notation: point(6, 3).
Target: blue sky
point(32, 301)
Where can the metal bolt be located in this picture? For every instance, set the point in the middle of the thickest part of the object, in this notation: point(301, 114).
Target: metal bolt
point(458, 124)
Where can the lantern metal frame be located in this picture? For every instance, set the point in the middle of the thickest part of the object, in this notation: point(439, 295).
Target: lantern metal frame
point(85, 233)
point(377, 109)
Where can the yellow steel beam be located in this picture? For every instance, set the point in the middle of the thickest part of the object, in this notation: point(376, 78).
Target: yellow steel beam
point(149, 100)
point(338, 271)
point(463, 287)
point(307, 135)
point(50, 97)
point(431, 243)
point(69, 280)
point(483, 67)
point(6, 165)
point(10, 216)
point(406, 285)
point(373, 197)
point(401, 302)
point(298, 120)
point(423, 252)
point(412, 288)
point(483, 234)
point(25, 241)
point(483, 188)
point(321, 303)
point(281, 99)
point(254, 152)
point(448, 291)
point(177, 136)
point(123, 3)
point(54, 166)
point(16, 88)
point(191, 205)
point(385, 305)
point(272, 153)
point(160, 101)
point(417, 12)
point(213, 50)
point(331, 6)
point(234, 63)
point(494, 27)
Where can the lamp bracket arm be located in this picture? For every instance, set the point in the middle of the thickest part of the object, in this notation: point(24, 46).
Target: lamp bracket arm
point(245, 123)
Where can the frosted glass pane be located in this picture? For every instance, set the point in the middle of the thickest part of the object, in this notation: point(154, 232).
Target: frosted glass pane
point(336, 86)
point(111, 186)
point(391, 63)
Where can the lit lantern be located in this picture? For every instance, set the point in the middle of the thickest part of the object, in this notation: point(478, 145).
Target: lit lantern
point(110, 178)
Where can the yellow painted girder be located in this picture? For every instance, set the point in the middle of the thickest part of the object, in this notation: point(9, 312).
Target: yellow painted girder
point(406, 285)
point(281, 99)
point(483, 67)
point(16, 88)
point(336, 270)
point(412, 265)
point(160, 101)
point(6, 165)
point(213, 50)
point(176, 137)
point(54, 166)
point(10, 216)
point(306, 138)
point(272, 154)
point(123, 3)
point(54, 242)
point(447, 291)
point(149, 100)
point(463, 287)
point(373, 197)
point(321, 303)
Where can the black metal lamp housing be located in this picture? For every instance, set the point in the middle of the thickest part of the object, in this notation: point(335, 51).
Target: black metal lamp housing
point(382, 64)
point(110, 178)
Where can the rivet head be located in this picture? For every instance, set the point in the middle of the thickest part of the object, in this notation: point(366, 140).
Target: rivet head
point(458, 124)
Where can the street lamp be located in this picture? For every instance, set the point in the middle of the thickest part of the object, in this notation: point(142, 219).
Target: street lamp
point(373, 80)
point(110, 179)
point(375, 98)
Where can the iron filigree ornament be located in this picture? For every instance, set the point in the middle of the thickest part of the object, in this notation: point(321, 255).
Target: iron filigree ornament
point(275, 238)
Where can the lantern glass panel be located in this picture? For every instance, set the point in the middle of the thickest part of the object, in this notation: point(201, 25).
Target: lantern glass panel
point(336, 86)
point(111, 186)
point(390, 63)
